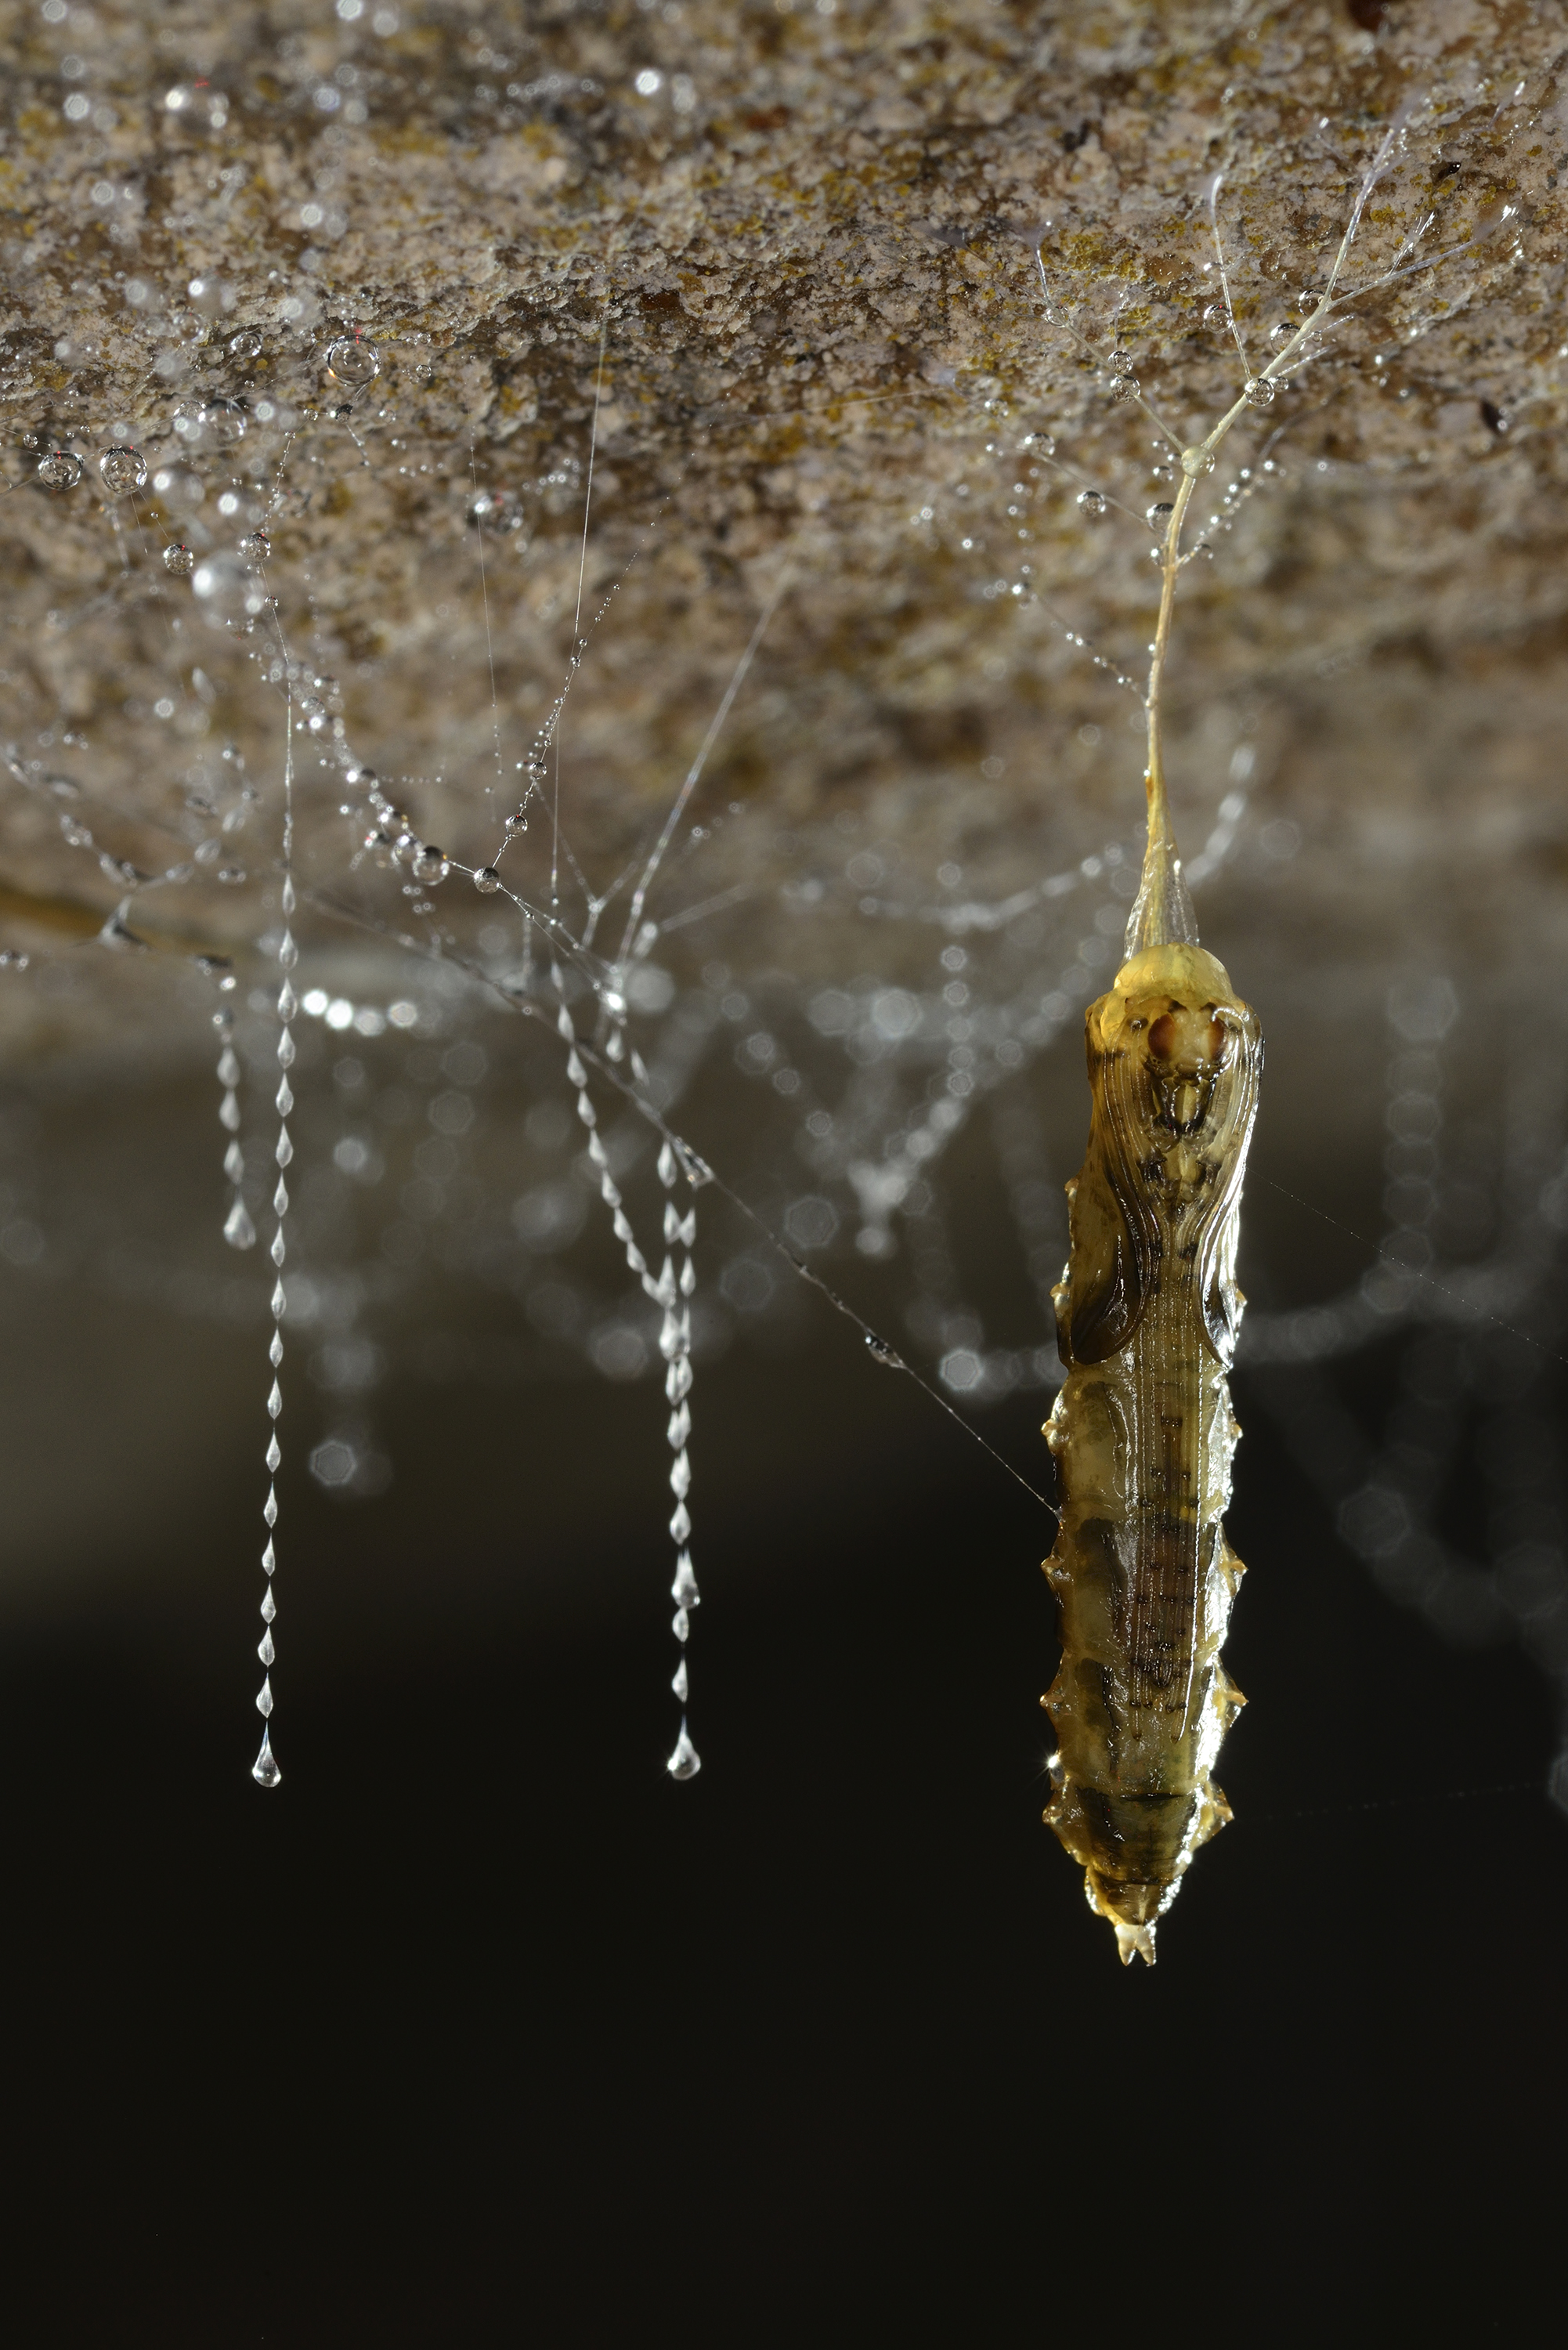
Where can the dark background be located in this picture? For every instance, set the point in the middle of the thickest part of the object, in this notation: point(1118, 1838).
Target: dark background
point(479, 2027)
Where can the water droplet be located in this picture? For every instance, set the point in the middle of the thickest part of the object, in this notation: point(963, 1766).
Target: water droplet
point(430, 866)
point(351, 362)
point(284, 1151)
point(224, 419)
point(269, 1560)
point(266, 1650)
point(1092, 504)
point(1123, 386)
point(238, 1229)
point(287, 1002)
point(288, 897)
point(1197, 460)
point(256, 547)
point(280, 1200)
point(880, 1352)
point(123, 469)
point(274, 1456)
point(1159, 514)
point(285, 1050)
point(1214, 315)
point(59, 470)
point(1120, 363)
point(277, 1251)
point(180, 560)
point(685, 1763)
point(1279, 335)
point(683, 1590)
point(268, 1606)
point(285, 1098)
point(278, 1301)
point(246, 344)
point(680, 1685)
point(274, 1400)
point(487, 880)
point(264, 1770)
point(275, 1352)
point(235, 1163)
point(516, 823)
point(1259, 393)
point(263, 1696)
point(680, 1624)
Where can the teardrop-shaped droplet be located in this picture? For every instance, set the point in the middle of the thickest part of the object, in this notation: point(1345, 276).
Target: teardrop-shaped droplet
point(685, 1763)
point(280, 1200)
point(268, 1606)
point(683, 1590)
point(669, 1166)
point(286, 1050)
point(277, 1251)
point(269, 1559)
point(235, 1163)
point(228, 1067)
point(275, 1352)
point(287, 1002)
point(288, 897)
point(278, 1301)
point(264, 1698)
point(285, 1151)
point(287, 952)
point(264, 1770)
point(238, 1229)
point(274, 1456)
point(269, 1512)
point(274, 1400)
point(575, 1073)
point(679, 1684)
point(229, 1112)
point(266, 1652)
point(680, 1624)
point(285, 1103)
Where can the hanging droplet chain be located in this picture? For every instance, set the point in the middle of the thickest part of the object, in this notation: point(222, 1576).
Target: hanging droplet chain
point(265, 1769)
point(238, 1229)
point(675, 1346)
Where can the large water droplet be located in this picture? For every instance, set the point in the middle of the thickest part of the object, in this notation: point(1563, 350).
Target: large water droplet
point(275, 1352)
point(683, 1590)
point(284, 1151)
point(247, 343)
point(223, 420)
point(269, 1560)
point(123, 469)
point(274, 1456)
point(1092, 504)
point(58, 470)
point(1159, 514)
point(431, 866)
point(266, 1652)
point(269, 1512)
point(263, 1696)
point(274, 1400)
point(351, 362)
point(264, 1770)
point(1197, 460)
point(1120, 363)
point(1279, 335)
point(1259, 393)
point(180, 560)
point(685, 1763)
point(1123, 386)
point(238, 1229)
point(235, 1163)
point(487, 880)
point(268, 1606)
point(278, 1301)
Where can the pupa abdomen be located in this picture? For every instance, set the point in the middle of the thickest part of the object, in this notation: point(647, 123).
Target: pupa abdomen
point(1142, 1433)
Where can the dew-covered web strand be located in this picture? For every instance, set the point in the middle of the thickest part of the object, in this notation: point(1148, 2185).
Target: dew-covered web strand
point(694, 772)
point(484, 601)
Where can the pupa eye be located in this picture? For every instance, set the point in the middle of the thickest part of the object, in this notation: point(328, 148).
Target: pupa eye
point(1162, 1036)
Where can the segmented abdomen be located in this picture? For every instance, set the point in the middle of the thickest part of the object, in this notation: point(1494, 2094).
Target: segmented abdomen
point(1142, 1434)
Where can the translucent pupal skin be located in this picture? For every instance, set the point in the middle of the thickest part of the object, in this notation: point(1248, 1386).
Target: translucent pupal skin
point(1142, 1433)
